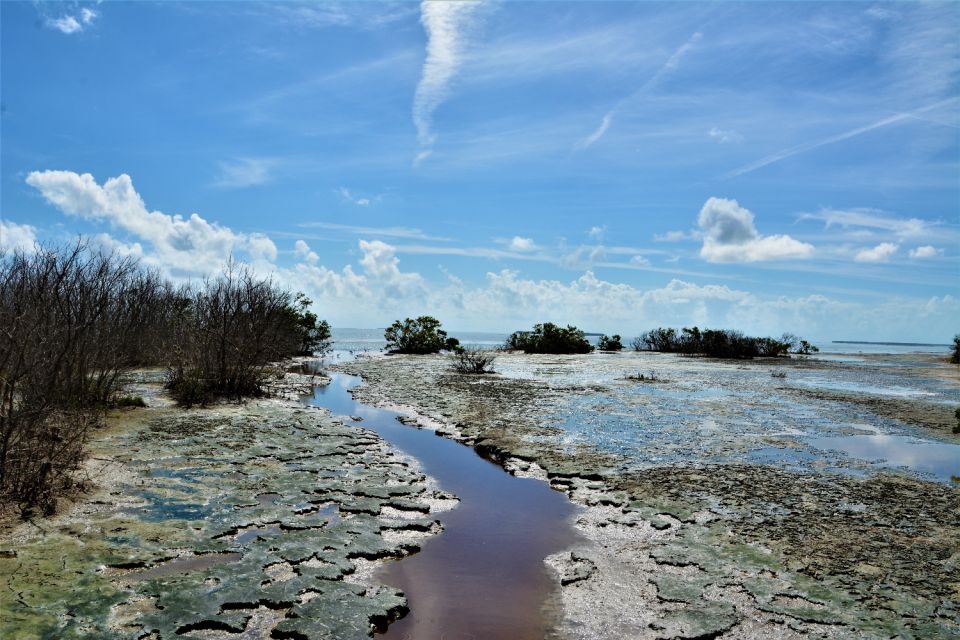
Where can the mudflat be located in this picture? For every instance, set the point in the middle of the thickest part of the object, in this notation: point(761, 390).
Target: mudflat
point(723, 498)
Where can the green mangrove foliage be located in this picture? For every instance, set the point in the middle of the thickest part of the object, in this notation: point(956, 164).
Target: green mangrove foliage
point(723, 343)
point(955, 356)
point(606, 343)
point(550, 338)
point(73, 319)
point(421, 335)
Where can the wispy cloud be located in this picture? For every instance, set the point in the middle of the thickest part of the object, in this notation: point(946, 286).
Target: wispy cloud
point(387, 232)
point(245, 172)
point(350, 197)
point(725, 135)
point(447, 24)
point(846, 135)
point(902, 228)
point(672, 63)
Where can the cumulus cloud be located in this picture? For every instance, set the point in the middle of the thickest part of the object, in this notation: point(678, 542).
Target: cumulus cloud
point(521, 244)
point(15, 236)
point(880, 253)
point(729, 235)
point(597, 233)
point(926, 251)
point(447, 25)
point(183, 246)
point(677, 236)
point(302, 251)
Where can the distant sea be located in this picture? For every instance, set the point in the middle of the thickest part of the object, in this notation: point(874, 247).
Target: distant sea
point(346, 339)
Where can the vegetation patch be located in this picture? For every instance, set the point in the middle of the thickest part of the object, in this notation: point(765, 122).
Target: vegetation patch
point(722, 343)
point(421, 335)
point(550, 338)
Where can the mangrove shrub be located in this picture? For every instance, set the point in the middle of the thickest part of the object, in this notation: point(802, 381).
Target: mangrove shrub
point(421, 335)
point(550, 338)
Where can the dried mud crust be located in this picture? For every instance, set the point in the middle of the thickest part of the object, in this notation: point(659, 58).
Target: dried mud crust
point(687, 551)
point(254, 520)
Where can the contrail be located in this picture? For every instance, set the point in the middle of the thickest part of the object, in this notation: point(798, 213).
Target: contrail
point(807, 146)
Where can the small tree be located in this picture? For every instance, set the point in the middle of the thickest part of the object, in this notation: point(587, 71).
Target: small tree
point(312, 334)
point(955, 357)
point(422, 335)
point(550, 338)
point(473, 361)
point(609, 344)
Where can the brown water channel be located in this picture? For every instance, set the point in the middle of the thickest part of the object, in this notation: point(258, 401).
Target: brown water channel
point(483, 576)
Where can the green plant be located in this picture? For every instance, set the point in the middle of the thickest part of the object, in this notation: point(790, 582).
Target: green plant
point(955, 356)
point(609, 343)
point(310, 334)
point(550, 338)
point(129, 401)
point(421, 335)
point(956, 414)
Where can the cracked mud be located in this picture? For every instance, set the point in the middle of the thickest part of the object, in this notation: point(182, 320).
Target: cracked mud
point(252, 520)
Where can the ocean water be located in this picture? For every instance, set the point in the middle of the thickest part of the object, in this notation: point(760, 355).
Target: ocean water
point(352, 339)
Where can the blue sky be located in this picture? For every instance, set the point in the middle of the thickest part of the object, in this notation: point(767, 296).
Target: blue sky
point(771, 167)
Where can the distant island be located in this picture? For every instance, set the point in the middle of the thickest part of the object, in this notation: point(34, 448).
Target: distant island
point(895, 344)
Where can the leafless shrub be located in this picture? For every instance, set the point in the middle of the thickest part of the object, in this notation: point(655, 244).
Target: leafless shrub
point(473, 361)
point(71, 320)
point(228, 331)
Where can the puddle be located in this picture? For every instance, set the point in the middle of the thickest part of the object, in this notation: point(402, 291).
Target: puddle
point(184, 565)
point(938, 459)
point(483, 576)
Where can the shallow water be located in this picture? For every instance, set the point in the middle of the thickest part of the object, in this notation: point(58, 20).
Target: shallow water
point(725, 411)
point(483, 576)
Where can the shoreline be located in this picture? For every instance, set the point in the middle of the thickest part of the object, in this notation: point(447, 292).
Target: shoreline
point(715, 571)
point(258, 517)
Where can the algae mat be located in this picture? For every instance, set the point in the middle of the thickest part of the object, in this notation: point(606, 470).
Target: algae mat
point(244, 519)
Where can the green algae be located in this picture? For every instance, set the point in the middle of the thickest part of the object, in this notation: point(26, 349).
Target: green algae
point(169, 530)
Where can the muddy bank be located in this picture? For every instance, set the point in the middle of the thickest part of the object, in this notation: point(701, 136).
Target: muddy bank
point(692, 542)
point(240, 520)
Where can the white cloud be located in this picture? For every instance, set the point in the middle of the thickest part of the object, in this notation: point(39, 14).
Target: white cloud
point(245, 172)
point(388, 232)
point(678, 236)
point(730, 236)
point(183, 246)
point(596, 135)
point(70, 24)
point(640, 260)
point(926, 251)
point(302, 250)
point(880, 253)
point(350, 197)
point(902, 228)
point(446, 24)
point(597, 233)
point(15, 236)
point(725, 135)
point(521, 244)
